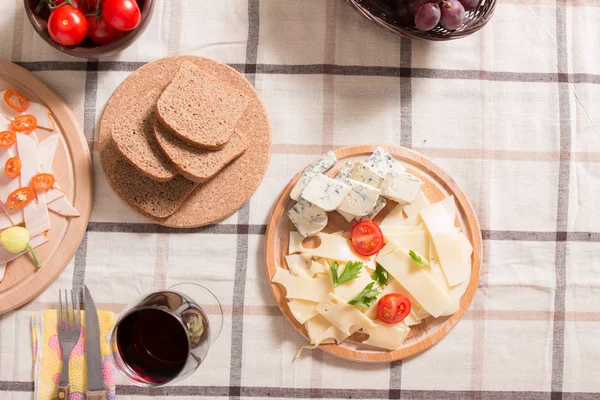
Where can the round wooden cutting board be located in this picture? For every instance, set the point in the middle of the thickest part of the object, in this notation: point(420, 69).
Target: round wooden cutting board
point(438, 185)
point(73, 170)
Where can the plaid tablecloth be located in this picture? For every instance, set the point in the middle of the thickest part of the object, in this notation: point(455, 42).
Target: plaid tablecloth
point(510, 112)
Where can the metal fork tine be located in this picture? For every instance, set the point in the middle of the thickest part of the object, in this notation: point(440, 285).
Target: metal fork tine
point(79, 323)
point(60, 314)
point(68, 309)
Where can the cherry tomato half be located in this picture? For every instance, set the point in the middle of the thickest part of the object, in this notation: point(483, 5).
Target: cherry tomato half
point(7, 138)
point(100, 32)
point(23, 123)
point(12, 168)
point(20, 197)
point(67, 25)
point(366, 238)
point(42, 181)
point(123, 15)
point(393, 308)
point(15, 100)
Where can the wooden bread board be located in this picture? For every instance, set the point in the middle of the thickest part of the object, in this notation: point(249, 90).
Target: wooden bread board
point(73, 170)
point(438, 185)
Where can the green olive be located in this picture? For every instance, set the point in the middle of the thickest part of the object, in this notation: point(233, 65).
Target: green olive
point(15, 239)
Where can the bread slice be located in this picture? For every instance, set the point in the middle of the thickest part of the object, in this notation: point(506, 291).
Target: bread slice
point(133, 133)
point(196, 164)
point(199, 109)
point(157, 199)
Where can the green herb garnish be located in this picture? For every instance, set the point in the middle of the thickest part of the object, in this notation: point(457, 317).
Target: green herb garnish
point(367, 297)
point(418, 259)
point(380, 275)
point(351, 272)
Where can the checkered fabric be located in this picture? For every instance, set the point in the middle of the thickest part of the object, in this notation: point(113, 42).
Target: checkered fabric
point(510, 112)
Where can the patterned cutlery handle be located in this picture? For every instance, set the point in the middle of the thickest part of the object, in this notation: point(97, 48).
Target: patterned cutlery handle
point(96, 395)
point(64, 390)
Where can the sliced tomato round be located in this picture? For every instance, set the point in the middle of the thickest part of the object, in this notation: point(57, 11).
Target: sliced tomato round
point(12, 168)
point(393, 308)
point(7, 138)
point(20, 197)
point(23, 123)
point(42, 181)
point(366, 238)
point(15, 100)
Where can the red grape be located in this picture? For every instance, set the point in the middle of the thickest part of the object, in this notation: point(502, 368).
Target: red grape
point(427, 17)
point(453, 14)
point(469, 4)
point(403, 16)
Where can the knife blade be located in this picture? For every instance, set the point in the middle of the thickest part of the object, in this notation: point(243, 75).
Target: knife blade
point(92, 345)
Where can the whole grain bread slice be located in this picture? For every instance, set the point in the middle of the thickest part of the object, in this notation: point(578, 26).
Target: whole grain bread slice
point(199, 109)
point(156, 199)
point(198, 165)
point(133, 133)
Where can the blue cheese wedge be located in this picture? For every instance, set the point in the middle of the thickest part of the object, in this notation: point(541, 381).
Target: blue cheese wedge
point(308, 218)
point(342, 176)
point(325, 192)
point(383, 162)
point(401, 186)
point(365, 174)
point(361, 199)
point(381, 203)
point(314, 169)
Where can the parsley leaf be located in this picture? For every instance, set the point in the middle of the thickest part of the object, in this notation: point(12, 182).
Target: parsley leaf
point(380, 275)
point(367, 297)
point(417, 259)
point(351, 272)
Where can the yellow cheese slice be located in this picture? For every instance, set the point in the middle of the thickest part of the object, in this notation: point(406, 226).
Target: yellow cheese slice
point(317, 269)
point(386, 336)
point(333, 247)
point(349, 289)
point(298, 264)
point(415, 240)
point(393, 218)
point(415, 206)
point(417, 281)
point(321, 331)
point(303, 287)
point(303, 310)
point(344, 316)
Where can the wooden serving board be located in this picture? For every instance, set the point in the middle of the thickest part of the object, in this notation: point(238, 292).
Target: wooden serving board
point(73, 171)
point(438, 185)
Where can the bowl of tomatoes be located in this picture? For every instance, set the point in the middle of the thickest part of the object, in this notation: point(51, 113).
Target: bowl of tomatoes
point(89, 28)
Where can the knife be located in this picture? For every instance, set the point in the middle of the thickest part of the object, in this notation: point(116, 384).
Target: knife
point(95, 385)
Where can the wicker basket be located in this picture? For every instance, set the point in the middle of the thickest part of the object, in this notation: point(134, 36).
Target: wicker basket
point(381, 13)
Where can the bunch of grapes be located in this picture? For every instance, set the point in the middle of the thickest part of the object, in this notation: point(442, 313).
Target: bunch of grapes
point(427, 14)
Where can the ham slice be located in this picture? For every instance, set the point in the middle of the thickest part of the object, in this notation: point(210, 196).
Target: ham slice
point(37, 219)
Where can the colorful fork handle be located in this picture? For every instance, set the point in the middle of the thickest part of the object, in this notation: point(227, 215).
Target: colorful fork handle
point(64, 390)
point(96, 395)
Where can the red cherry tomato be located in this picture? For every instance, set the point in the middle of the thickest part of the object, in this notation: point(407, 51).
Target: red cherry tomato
point(89, 6)
point(76, 3)
point(67, 25)
point(393, 308)
point(123, 15)
point(100, 32)
point(366, 238)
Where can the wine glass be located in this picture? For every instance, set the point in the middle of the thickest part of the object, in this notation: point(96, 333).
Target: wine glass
point(164, 336)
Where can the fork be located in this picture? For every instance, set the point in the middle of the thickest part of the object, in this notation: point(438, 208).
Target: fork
point(69, 326)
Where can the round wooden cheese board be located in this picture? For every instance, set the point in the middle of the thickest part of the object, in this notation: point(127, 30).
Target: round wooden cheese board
point(73, 169)
point(438, 185)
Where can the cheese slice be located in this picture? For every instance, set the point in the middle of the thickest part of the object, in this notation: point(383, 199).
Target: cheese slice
point(450, 207)
point(416, 281)
point(303, 287)
point(364, 173)
point(415, 220)
point(401, 186)
point(303, 181)
point(386, 336)
point(307, 218)
point(325, 192)
point(332, 247)
point(303, 310)
point(414, 207)
point(380, 205)
point(394, 217)
point(452, 260)
point(298, 264)
point(348, 290)
point(361, 199)
point(295, 243)
point(344, 316)
point(318, 269)
point(437, 219)
point(321, 331)
point(412, 240)
point(383, 162)
point(389, 230)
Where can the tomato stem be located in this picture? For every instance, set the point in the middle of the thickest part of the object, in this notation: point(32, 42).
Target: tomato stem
point(37, 263)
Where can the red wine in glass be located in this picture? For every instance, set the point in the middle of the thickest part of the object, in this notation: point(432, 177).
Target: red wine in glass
point(154, 344)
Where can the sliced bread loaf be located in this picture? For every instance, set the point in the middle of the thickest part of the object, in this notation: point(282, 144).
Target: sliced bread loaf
point(156, 199)
point(133, 134)
point(196, 164)
point(199, 109)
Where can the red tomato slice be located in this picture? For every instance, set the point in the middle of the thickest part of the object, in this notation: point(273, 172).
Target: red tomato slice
point(366, 238)
point(42, 181)
point(7, 138)
point(15, 100)
point(23, 123)
point(12, 168)
point(393, 308)
point(20, 197)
